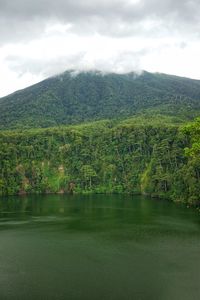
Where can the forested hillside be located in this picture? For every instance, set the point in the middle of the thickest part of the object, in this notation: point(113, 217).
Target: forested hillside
point(133, 156)
point(74, 98)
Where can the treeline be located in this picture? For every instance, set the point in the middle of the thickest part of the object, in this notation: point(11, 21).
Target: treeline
point(104, 157)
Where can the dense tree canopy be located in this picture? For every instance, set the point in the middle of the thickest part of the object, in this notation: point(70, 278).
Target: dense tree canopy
point(153, 152)
point(133, 156)
point(89, 96)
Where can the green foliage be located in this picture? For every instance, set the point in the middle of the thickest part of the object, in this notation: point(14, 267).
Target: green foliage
point(137, 155)
point(192, 172)
point(69, 99)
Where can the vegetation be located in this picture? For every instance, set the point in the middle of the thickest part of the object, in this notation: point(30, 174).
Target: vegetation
point(137, 155)
point(153, 152)
point(70, 99)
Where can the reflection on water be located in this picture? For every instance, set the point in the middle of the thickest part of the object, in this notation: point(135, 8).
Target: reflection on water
point(98, 247)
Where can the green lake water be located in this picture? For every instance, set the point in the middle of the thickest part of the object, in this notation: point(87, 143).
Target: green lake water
point(98, 247)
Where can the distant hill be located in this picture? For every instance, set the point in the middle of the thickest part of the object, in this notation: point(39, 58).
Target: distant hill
point(72, 98)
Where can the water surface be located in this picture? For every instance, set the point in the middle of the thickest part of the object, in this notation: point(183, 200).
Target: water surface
point(98, 247)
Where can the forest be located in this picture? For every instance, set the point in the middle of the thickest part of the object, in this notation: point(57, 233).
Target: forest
point(153, 156)
point(72, 98)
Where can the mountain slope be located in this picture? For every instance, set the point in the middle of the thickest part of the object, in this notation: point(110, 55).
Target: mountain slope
point(69, 98)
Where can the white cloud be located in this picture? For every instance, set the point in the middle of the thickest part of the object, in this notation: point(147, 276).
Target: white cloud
point(117, 36)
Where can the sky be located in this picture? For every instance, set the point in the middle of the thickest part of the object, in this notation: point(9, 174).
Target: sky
point(42, 38)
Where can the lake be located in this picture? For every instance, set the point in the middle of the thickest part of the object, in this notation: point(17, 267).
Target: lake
point(98, 247)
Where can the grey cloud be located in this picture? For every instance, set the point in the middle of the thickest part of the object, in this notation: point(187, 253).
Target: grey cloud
point(71, 10)
point(25, 19)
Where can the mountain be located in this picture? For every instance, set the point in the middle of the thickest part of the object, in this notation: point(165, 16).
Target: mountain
point(72, 98)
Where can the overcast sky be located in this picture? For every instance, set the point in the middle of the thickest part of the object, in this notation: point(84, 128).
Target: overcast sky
point(40, 38)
